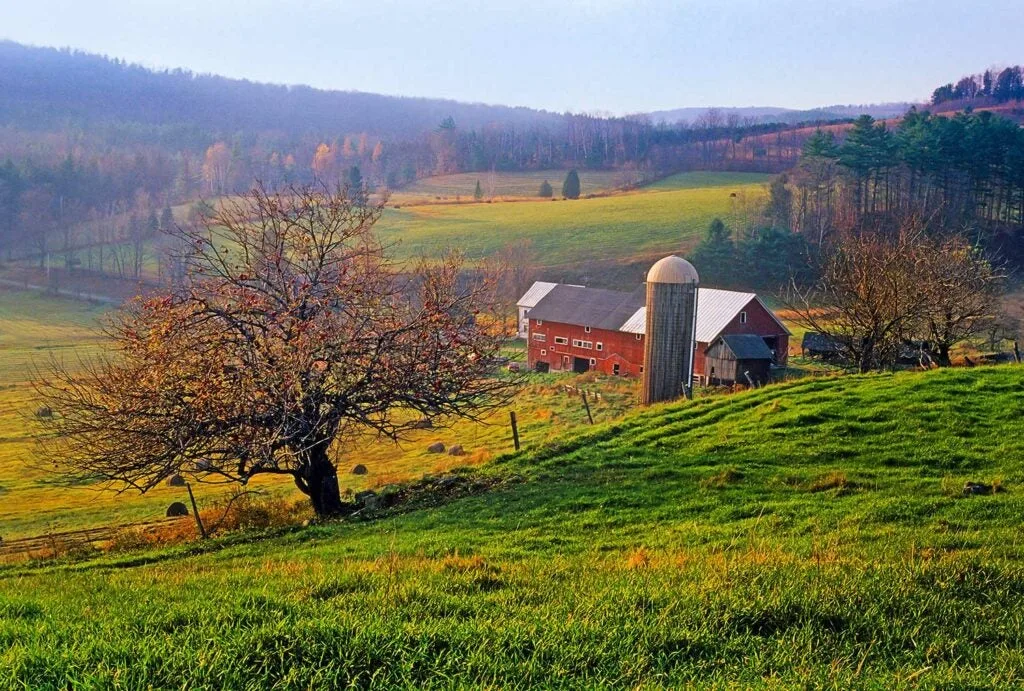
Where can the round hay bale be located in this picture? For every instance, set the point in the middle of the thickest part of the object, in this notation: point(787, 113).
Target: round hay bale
point(177, 509)
point(359, 469)
point(456, 450)
point(176, 481)
point(436, 447)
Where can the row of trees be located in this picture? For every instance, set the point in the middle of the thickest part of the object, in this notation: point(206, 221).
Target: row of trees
point(985, 88)
point(965, 171)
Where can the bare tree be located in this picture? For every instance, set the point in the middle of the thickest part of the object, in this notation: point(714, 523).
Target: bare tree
point(866, 298)
point(292, 332)
point(962, 290)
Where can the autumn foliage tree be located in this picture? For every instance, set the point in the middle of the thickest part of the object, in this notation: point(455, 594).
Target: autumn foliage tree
point(292, 333)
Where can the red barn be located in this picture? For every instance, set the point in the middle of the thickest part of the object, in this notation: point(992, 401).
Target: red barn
point(580, 329)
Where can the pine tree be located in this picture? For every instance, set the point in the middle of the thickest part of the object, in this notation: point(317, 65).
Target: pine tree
point(545, 190)
point(355, 179)
point(571, 186)
point(166, 218)
point(478, 193)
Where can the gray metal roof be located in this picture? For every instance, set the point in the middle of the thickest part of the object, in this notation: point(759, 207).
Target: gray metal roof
point(593, 307)
point(618, 311)
point(746, 346)
point(535, 294)
point(715, 309)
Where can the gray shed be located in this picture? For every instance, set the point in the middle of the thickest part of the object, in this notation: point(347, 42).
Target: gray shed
point(738, 359)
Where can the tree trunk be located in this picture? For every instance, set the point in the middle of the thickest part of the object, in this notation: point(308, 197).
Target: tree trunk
point(942, 357)
point(318, 478)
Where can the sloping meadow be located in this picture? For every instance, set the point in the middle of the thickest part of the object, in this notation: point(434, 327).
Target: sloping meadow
point(809, 532)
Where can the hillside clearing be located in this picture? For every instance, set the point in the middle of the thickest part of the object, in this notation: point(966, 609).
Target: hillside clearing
point(812, 532)
point(668, 217)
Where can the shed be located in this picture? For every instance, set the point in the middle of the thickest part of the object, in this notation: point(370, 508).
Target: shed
point(821, 345)
point(738, 359)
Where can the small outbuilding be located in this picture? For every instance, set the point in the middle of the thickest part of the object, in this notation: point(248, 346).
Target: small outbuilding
point(821, 345)
point(738, 359)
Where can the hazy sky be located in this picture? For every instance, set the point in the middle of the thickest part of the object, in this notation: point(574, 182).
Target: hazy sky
point(580, 55)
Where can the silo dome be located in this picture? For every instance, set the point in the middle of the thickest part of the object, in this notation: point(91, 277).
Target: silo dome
point(672, 269)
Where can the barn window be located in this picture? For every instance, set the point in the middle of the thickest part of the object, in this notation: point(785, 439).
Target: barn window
point(543, 352)
point(561, 340)
point(641, 369)
point(539, 322)
point(593, 362)
point(743, 317)
point(589, 345)
point(639, 336)
point(600, 346)
point(615, 368)
point(576, 343)
point(586, 329)
point(540, 337)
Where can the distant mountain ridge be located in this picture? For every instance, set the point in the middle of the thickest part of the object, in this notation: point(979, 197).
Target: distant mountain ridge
point(767, 114)
point(46, 87)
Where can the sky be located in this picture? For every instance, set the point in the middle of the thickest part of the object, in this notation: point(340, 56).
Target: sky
point(599, 56)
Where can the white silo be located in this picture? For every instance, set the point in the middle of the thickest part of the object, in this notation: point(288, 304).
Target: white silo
point(672, 285)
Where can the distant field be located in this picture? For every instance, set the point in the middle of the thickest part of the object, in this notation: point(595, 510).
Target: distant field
point(518, 184)
point(666, 217)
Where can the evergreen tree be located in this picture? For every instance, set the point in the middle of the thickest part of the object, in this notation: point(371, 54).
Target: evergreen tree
point(355, 179)
point(715, 256)
point(478, 193)
point(166, 218)
point(545, 190)
point(571, 186)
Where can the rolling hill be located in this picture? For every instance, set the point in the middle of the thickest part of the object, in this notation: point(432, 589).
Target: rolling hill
point(808, 533)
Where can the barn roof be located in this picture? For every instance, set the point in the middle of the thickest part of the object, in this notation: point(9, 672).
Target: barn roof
point(746, 346)
point(535, 294)
point(619, 311)
point(715, 309)
point(594, 307)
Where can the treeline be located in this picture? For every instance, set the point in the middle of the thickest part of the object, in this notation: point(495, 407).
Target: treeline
point(964, 172)
point(985, 88)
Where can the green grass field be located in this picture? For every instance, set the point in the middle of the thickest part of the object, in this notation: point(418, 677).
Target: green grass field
point(670, 216)
point(808, 534)
point(503, 184)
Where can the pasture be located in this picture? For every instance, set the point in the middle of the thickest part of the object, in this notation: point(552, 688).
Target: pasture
point(812, 533)
point(508, 184)
point(670, 216)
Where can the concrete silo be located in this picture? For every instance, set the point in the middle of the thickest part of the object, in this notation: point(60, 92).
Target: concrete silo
point(671, 322)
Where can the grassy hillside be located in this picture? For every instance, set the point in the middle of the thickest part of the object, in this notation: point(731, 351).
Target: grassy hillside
point(808, 533)
point(666, 217)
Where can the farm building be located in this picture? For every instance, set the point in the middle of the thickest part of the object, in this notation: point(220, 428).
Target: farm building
point(738, 359)
point(573, 328)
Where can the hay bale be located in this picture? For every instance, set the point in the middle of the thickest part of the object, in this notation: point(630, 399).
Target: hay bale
point(176, 510)
point(436, 447)
point(456, 450)
point(359, 469)
point(44, 412)
point(176, 481)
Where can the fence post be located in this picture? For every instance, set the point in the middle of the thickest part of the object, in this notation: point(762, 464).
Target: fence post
point(195, 510)
point(587, 406)
point(515, 428)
